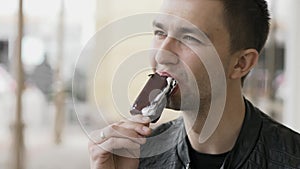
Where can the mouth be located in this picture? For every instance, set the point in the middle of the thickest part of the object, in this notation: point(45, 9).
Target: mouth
point(166, 74)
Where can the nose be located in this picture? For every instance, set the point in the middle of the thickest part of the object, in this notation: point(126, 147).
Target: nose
point(167, 52)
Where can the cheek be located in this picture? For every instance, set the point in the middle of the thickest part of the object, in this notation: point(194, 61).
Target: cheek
point(224, 54)
point(194, 64)
point(199, 72)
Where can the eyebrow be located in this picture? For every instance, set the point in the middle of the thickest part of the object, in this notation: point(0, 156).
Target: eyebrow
point(157, 24)
point(192, 30)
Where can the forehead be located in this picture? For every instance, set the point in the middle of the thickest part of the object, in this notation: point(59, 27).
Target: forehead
point(207, 15)
point(191, 9)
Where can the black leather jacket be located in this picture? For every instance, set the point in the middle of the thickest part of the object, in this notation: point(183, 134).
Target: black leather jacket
point(262, 144)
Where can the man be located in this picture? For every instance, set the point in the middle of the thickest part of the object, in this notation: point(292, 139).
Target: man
point(244, 137)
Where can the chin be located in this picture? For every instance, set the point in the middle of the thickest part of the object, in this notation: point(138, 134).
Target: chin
point(189, 103)
point(174, 104)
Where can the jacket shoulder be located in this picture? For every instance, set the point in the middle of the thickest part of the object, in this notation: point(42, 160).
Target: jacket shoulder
point(160, 148)
point(280, 144)
point(165, 126)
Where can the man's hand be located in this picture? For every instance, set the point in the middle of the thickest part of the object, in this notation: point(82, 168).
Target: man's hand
point(123, 139)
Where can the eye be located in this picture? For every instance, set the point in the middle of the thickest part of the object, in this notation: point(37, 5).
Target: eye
point(191, 39)
point(160, 34)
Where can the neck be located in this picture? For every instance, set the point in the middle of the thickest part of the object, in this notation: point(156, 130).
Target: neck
point(225, 135)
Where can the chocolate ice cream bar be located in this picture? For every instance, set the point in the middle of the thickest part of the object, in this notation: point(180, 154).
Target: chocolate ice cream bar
point(153, 98)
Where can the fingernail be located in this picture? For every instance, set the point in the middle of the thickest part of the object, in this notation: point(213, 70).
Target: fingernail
point(146, 129)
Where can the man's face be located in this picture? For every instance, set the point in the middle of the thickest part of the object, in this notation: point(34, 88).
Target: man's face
point(180, 45)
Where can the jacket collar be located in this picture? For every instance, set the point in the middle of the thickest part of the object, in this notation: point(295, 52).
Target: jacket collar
point(244, 145)
point(247, 138)
point(182, 147)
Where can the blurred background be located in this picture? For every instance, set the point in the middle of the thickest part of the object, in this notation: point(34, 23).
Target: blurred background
point(40, 42)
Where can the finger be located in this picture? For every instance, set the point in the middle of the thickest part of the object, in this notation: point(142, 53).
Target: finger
point(141, 129)
point(139, 123)
point(139, 119)
point(99, 136)
point(119, 143)
point(122, 132)
point(110, 145)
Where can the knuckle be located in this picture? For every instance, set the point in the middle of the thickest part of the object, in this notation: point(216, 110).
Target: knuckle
point(90, 149)
point(90, 144)
point(120, 122)
point(95, 157)
point(114, 126)
point(138, 127)
point(93, 153)
point(113, 129)
point(135, 135)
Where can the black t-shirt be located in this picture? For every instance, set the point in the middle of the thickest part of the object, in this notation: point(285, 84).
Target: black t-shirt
point(205, 161)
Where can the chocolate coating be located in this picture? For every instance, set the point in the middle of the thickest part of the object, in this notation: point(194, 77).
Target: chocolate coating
point(153, 98)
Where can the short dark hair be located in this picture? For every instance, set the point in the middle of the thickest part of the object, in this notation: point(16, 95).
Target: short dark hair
point(248, 24)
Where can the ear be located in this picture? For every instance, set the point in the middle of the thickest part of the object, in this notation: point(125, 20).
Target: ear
point(244, 62)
